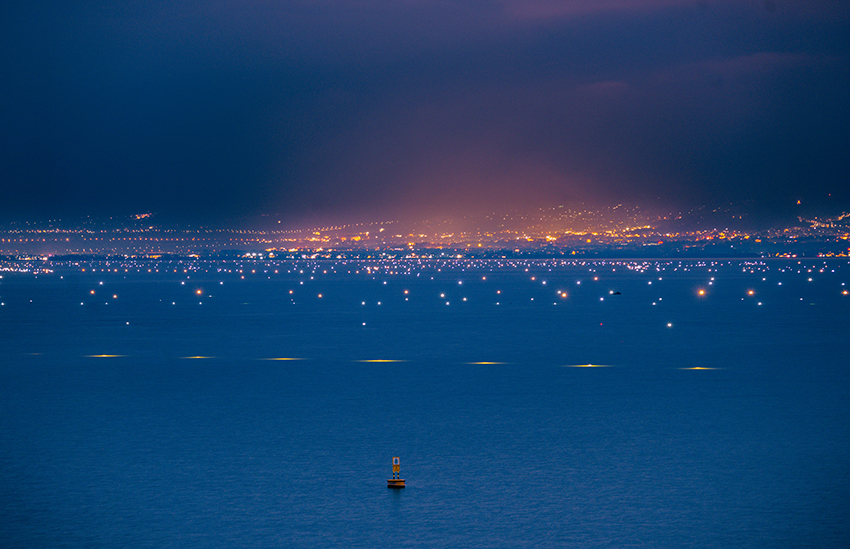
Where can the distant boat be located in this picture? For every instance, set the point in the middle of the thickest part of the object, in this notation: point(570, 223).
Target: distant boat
point(616, 293)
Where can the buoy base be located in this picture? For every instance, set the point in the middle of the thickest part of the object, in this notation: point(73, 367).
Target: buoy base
point(395, 483)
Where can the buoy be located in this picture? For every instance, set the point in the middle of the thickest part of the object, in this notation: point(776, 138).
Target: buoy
point(396, 481)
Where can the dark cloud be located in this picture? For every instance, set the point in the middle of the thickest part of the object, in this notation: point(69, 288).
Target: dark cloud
point(212, 110)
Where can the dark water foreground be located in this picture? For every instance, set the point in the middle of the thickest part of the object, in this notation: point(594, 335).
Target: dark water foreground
point(504, 442)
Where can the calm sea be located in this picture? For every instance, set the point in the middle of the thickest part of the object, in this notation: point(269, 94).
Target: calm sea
point(532, 404)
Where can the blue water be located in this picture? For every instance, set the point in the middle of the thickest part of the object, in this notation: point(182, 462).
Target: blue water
point(153, 449)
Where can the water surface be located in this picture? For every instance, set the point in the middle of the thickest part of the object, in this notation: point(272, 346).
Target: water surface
point(715, 420)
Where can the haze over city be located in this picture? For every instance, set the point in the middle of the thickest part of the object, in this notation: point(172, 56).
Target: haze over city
point(323, 113)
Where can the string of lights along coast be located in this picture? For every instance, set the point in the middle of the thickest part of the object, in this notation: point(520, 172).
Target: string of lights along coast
point(366, 288)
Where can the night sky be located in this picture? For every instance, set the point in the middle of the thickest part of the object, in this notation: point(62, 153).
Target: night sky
point(214, 110)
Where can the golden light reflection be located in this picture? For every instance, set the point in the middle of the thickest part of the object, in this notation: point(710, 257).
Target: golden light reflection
point(104, 356)
point(196, 357)
point(282, 358)
point(586, 366)
point(699, 368)
point(381, 360)
point(486, 363)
